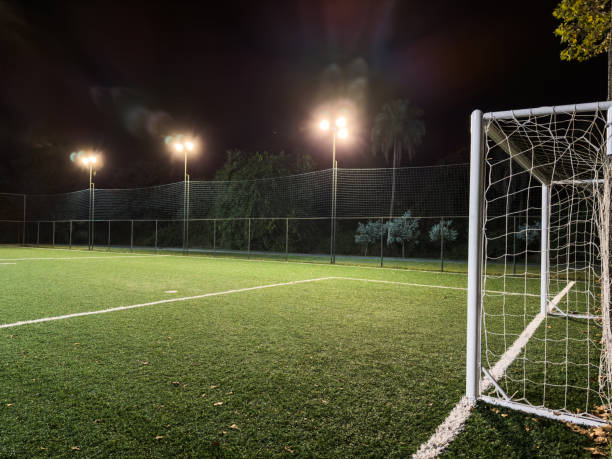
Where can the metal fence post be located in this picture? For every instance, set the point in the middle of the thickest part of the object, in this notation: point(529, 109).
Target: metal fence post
point(132, 235)
point(442, 244)
point(70, 236)
point(24, 220)
point(108, 240)
point(53, 234)
point(382, 232)
point(38, 233)
point(214, 234)
point(249, 242)
point(155, 236)
point(286, 239)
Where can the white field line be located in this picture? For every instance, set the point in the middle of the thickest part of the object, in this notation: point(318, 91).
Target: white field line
point(230, 258)
point(428, 271)
point(52, 248)
point(454, 422)
point(108, 257)
point(410, 284)
point(152, 303)
point(8, 263)
point(237, 259)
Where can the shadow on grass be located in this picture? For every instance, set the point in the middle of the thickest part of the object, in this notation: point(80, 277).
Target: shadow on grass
point(497, 432)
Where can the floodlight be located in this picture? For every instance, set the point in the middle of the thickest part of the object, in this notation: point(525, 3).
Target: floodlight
point(343, 133)
point(178, 147)
point(92, 159)
point(341, 122)
point(324, 124)
point(189, 145)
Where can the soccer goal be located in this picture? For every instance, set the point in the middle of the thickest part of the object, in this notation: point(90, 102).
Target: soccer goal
point(539, 337)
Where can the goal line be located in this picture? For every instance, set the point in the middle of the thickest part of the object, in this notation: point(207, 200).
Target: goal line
point(455, 421)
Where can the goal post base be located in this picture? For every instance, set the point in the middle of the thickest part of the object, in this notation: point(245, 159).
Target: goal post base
point(580, 419)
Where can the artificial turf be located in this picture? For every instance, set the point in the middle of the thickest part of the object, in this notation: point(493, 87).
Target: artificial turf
point(331, 368)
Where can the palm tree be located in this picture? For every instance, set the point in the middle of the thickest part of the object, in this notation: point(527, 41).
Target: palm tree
point(398, 129)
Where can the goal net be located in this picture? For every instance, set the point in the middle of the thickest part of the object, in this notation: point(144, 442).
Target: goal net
point(539, 286)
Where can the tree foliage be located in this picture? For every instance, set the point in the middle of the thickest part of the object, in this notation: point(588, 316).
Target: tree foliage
point(444, 229)
point(242, 169)
point(398, 128)
point(529, 232)
point(584, 28)
point(404, 229)
point(369, 233)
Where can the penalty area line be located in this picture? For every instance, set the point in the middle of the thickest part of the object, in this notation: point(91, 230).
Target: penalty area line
point(153, 303)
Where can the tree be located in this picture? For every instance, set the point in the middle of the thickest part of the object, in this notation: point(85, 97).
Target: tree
point(398, 129)
point(243, 195)
point(403, 230)
point(529, 232)
point(585, 30)
point(369, 233)
point(442, 231)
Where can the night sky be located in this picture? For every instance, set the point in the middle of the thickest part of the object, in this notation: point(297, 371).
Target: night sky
point(119, 76)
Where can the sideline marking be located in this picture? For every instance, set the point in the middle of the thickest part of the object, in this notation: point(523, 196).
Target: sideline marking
point(234, 258)
point(8, 263)
point(152, 303)
point(229, 257)
point(108, 257)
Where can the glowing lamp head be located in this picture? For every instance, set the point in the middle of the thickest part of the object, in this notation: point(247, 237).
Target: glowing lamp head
point(189, 145)
point(85, 160)
point(343, 133)
point(324, 125)
point(92, 159)
point(341, 122)
point(178, 147)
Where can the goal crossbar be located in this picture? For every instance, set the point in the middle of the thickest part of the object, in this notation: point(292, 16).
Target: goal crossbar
point(557, 109)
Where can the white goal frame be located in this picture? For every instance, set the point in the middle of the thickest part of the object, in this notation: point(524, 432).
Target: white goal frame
point(477, 377)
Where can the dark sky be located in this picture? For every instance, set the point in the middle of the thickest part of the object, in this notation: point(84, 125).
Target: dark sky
point(119, 76)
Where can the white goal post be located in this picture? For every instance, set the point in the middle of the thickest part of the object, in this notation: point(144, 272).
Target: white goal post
point(538, 318)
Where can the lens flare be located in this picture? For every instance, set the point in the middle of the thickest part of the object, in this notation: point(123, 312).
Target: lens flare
point(178, 147)
point(324, 124)
point(341, 122)
point(343, 133)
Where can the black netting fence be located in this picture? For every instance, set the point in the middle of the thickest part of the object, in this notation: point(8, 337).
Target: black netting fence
point(424, 219)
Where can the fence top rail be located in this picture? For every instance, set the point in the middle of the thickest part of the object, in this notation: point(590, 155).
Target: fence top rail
point(179, 220)
point(557, 109)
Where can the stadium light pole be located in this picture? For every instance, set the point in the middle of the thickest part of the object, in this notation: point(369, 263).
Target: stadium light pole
point(90, 163)
point(185, 147)
point(338, 129)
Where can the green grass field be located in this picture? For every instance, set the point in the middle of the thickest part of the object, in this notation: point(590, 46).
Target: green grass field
point(318, 361)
